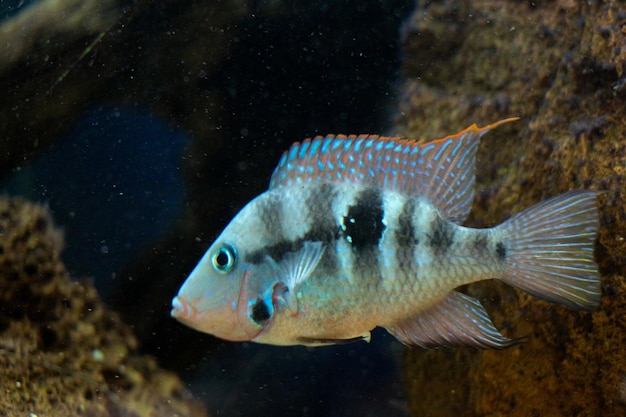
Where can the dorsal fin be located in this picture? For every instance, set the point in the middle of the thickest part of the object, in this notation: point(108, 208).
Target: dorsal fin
point(441, 171)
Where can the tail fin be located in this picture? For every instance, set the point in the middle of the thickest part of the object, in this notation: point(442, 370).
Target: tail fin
point(549, 250)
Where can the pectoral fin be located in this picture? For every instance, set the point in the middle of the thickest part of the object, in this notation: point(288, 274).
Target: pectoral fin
point(457, 320)
point(294, 269)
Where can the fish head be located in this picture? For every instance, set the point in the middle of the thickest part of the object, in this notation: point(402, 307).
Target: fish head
point(226, 295)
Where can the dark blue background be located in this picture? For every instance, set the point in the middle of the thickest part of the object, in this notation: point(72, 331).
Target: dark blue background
point(114, 186)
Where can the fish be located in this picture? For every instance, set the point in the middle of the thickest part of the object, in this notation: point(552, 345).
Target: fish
point(357, 232)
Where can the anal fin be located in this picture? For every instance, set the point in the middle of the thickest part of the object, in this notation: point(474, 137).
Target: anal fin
point(457, 320)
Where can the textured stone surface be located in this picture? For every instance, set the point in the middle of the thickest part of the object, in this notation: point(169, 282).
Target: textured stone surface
point(61, 352)
point(560, 66)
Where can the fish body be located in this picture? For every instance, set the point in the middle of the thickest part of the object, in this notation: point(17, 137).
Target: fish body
point(359, 232)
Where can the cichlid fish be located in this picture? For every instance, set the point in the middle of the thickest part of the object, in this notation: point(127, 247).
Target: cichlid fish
point(358, 232)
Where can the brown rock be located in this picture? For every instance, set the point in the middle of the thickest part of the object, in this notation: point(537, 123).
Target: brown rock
point(61, 352)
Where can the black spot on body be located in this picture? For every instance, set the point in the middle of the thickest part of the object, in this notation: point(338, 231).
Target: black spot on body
point(442, 235)
point(260, 312)
point(501, 251)
point(363, 225)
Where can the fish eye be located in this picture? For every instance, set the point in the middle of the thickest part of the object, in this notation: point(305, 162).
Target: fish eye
point(224, 258)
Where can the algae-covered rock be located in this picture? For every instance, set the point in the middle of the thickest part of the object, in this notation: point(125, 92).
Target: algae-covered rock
point(61, 352)
point(561, 67)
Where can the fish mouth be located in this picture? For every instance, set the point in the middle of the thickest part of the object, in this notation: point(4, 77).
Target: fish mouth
point(181, 310)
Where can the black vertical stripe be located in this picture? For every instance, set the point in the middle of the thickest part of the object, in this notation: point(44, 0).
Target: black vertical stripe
point(480, 242)
point(320, 210)
point(271, 214)
point(366, 263)
point(363, 224)
point(441, 234)
point(405, 236)
point(323, 225)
